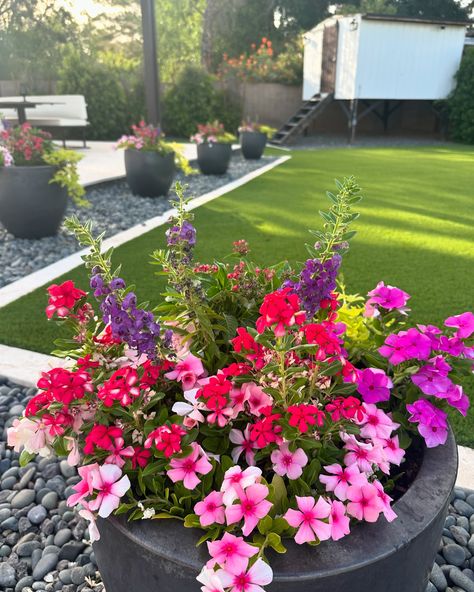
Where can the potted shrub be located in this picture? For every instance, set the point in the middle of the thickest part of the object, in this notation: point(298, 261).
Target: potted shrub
point(150, 161)
point(252, 411)
point(253, 139)
point(36, 179)
point(214, 148)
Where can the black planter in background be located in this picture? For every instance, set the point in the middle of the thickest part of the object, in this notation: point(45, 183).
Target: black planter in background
point(213, 159)
point(162, 555)
point(149, 174)
point(31, 206)
point(253, 144)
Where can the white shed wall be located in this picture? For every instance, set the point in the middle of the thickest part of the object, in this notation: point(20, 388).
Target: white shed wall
point(313, 57)
point(398, 60)
point(347, 52)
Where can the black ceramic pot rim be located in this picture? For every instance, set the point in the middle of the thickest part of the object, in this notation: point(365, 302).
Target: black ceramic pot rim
point(28, 166)
point(436, 472)
point(150, 152)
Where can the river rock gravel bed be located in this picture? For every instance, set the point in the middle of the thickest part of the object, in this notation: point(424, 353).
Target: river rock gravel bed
point(44, 545)
point(113, 209)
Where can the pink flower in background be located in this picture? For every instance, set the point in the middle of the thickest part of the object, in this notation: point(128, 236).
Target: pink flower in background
point(364, 502)
point(32, 435)
point(374, 385)
point(431, 381)
point(289, 463)
point(94, 533)
point(238, 397)
point(84, 487)
point(244, 445)
point(236, 480)
point(187, 372)
point(74, 456)
point(260, 574)
point(386, 501)
point(406, 345)
point(341, 478)
point(210, 580)
point(231, 553)
point(186, 469)
point(391, 449)
point(111, 486)
point(211, 509)
point(191, 410)
point(362, 454)
point(252, 507)
point(457, 398)
point(338, 521)
point(432, 422)
point(118, 451)
point(309, 519)
point(256, 398)
point(376, 423)
point(387, 297)
point(464, 323)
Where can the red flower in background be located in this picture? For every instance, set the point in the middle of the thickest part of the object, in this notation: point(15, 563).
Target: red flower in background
point(279, 310)
point(62, 298)
point(345, 408)
point(302, 416)
point(166, 438)
point(122, 386)
point(103, 437)
point(65, 386)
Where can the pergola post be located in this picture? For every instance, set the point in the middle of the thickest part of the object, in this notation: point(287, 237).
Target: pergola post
point(150, 62)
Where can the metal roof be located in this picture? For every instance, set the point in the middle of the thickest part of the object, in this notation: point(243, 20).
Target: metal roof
point(409, 19)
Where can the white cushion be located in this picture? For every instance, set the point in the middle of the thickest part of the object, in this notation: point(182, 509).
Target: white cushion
point(57, 122)
point(64, 107)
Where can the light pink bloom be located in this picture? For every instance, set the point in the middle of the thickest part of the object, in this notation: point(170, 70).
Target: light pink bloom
point(94, 533)
point(364, 502)
point(236, 480)
point(245, 444)
point(289, 463)
point(309, 519)
point(73, 457)
point(211, 581)
point(363, 454)
point(34, 436)
point(339, 521)
point(256, 398)
point(84, 487)
point(211, 509)
point(376, 423)
point(252, 507)
point(386, 500)
point(231, 553)
point(108, 481)
point(391, 449)
point(464, 323)
point(190, 410)
point(238, 397)
point(221, 416)
point(186, 469)
point(117, 452)
point(341, 478)
point(260, 574)
point(187, 372)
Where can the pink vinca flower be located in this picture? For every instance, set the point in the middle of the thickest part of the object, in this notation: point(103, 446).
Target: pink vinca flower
point(338, 521)
point(211, 509)
point(386, 501)
point(391, 450)
point(376, 423)
point(289, 463)
point(34, 436)
point(341, 478)
point(94, 533)
point(363, 454)
point(431, 381)
point(309, 519)
point(260, 574)
point(464, 323)
point(374, 385)
point(238, 397)
point(235, 481)
point(191, 410)
point(231, 553)
point(244, 445)
point(186, 469)
point(84, 488)
point(187, 372)
point(457, 398)
point(364, 502)
point(252, 507)
point(256, 398)
point(210, 580)
point(74, 456)
point(387, 297)
point(111, 486)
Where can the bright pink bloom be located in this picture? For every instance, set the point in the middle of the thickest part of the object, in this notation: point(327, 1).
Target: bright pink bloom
point(289, 463)
point(244, 342)
point(457, 398)
point(231, 553)
point(341, 478)
point(464, 323)
point(279, 310)
point(252, 507)
point(387, 297)
point(244, 445)
point(302, 416)
point(266, 431)
point(64, 385)
point(236, 480)
point(84, 487)
point(391, 449)
point(166, 438)
point(187, 372)
point(186, 469)
point(374, 385)
point(62, 298)
point(122, 386)
point(338, 521)
point(118, 452)
point(211, 509)
point(432, 379)
point(309, 519)
point(111, 486)
point(363, 454)
point(364, 502)
point(260, 574)
point(140, 457)
point(102, 437)
point(325, 336)
point(256, 398)
point(432, 422)
point(386, 501)
point(376, 423)
point(348, 408)
point(406, 345)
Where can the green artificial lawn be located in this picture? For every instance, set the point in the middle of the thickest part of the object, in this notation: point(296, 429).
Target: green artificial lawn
point(416, 231)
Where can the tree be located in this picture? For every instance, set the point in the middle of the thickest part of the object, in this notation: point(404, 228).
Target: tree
point(460, 106)
point(435, 9)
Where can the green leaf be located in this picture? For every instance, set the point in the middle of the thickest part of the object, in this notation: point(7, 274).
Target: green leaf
point(280, 495)
point(274, 541)
point(265, 525)
point(26, 457)
point(191, 521)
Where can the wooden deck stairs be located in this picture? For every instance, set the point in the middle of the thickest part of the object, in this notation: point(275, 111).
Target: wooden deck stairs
point(297, 124)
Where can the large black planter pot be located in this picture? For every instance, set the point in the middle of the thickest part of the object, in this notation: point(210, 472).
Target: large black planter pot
point(160, 555)
point(31, 206)
point(148, 173)
point(213, 159)
point(253, 144)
